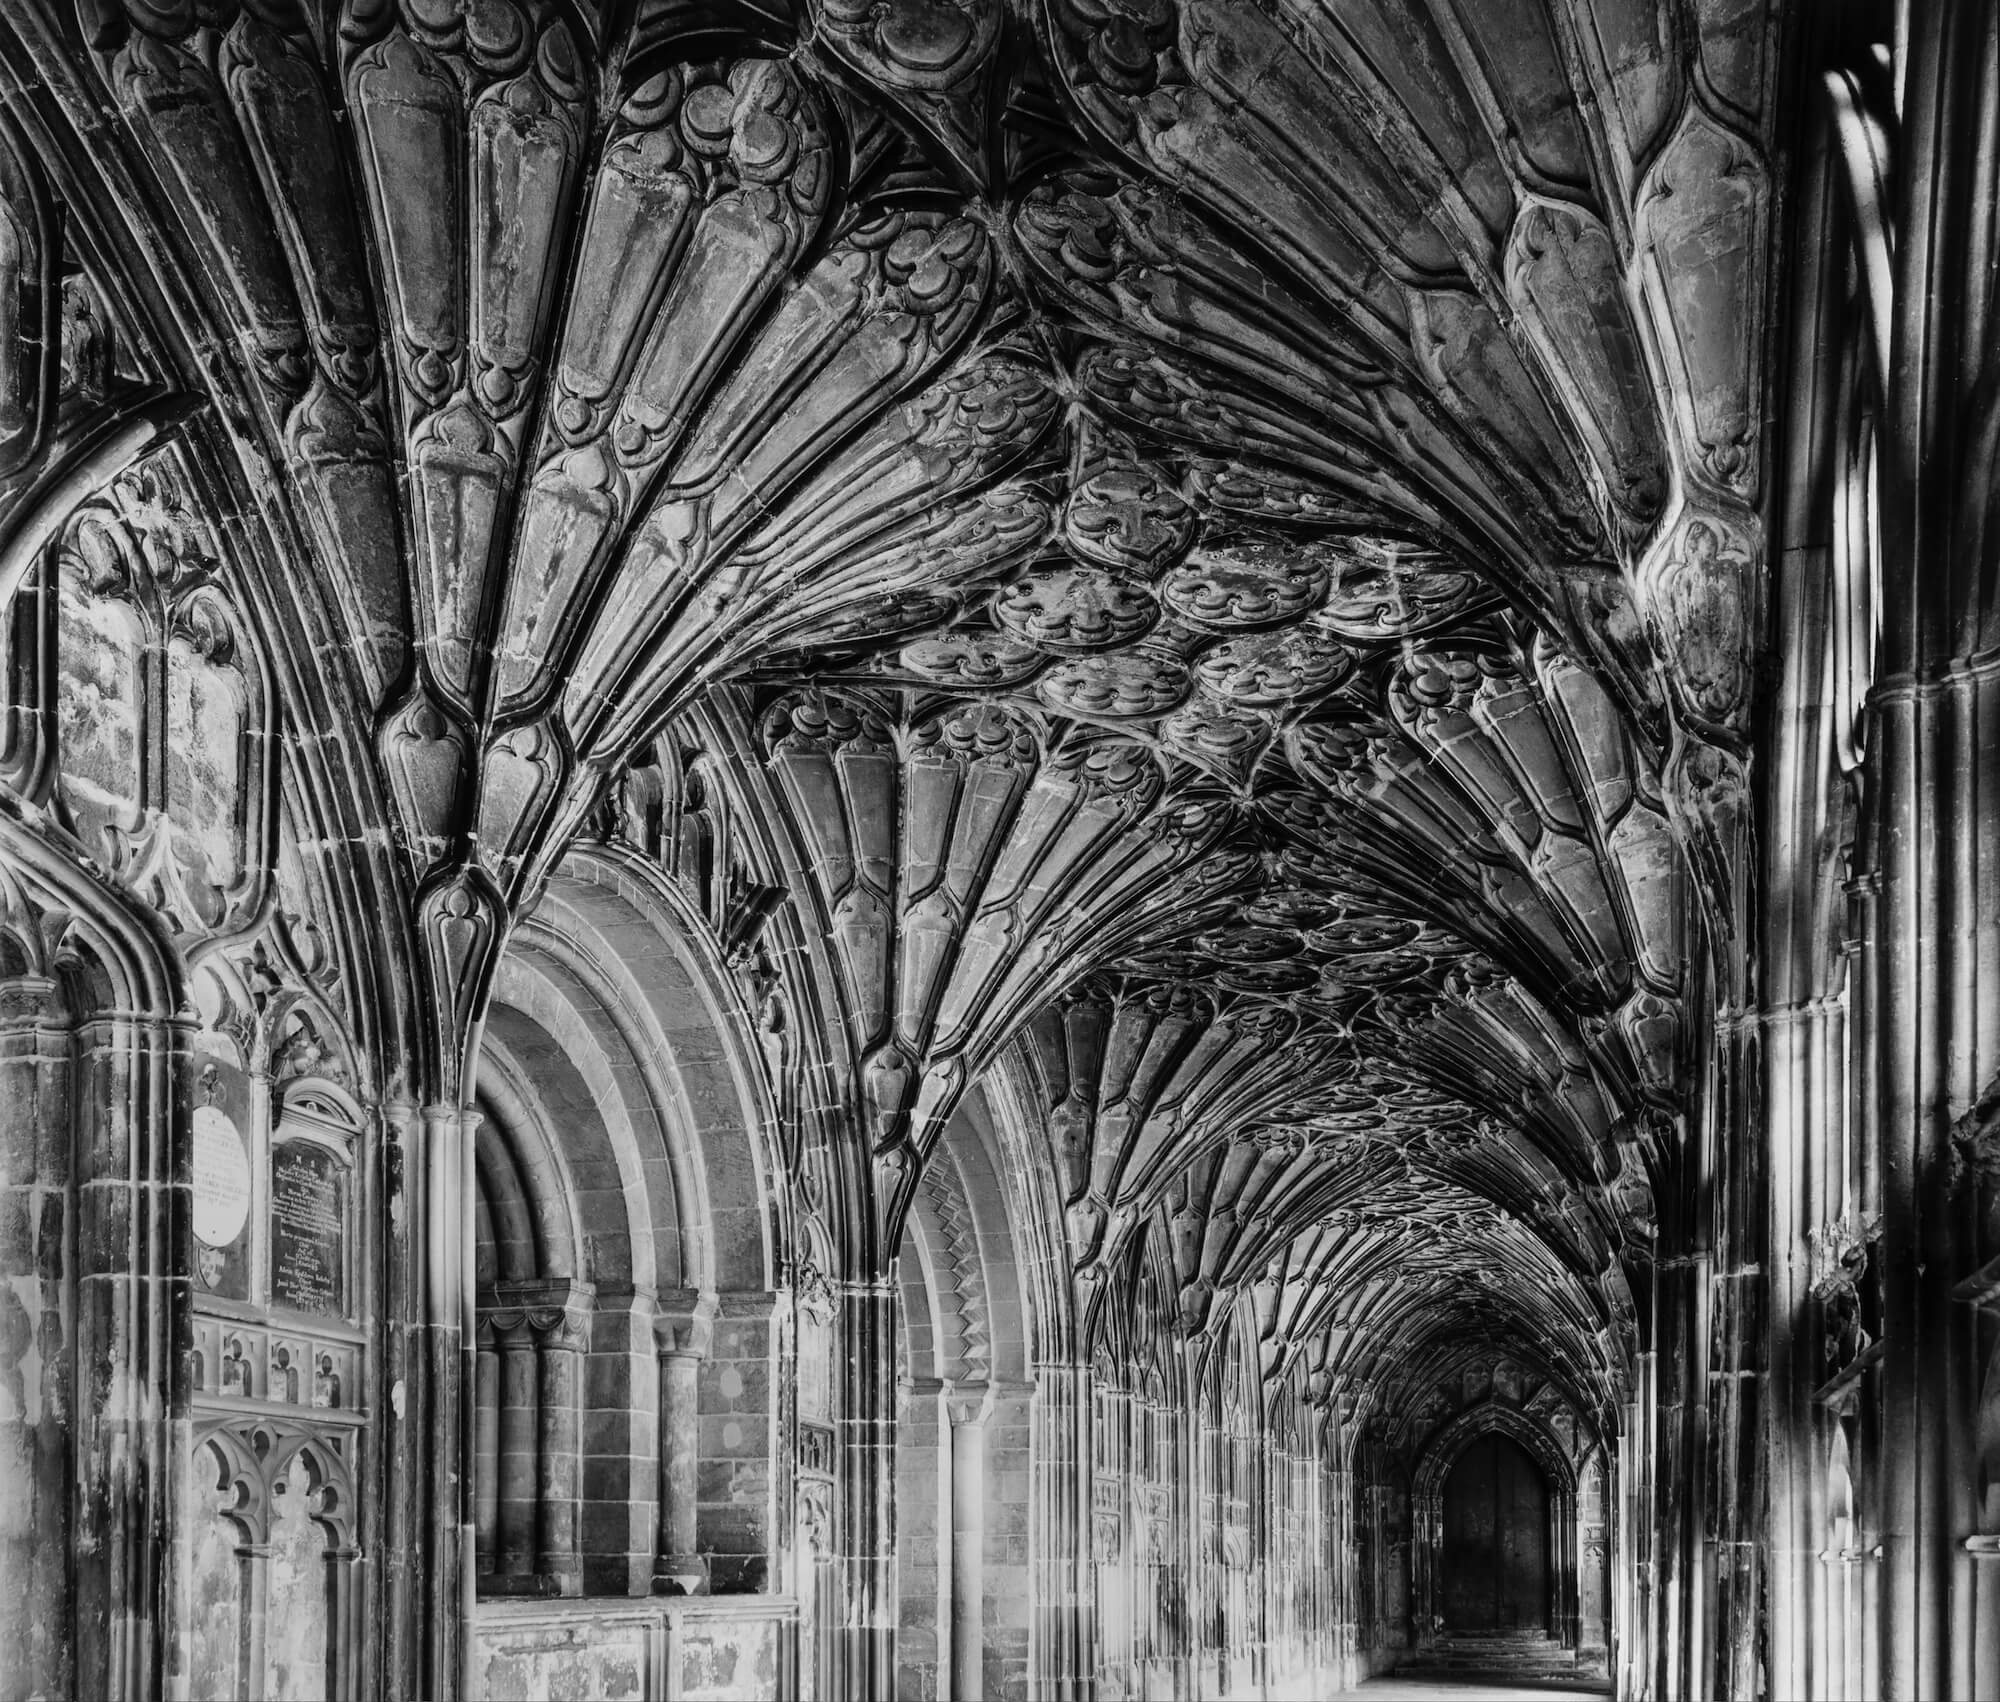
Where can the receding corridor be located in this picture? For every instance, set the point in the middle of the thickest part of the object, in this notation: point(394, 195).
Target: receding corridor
point(999, 850)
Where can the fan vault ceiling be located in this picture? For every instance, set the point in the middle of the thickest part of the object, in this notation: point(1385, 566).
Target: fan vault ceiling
point(1226, 538)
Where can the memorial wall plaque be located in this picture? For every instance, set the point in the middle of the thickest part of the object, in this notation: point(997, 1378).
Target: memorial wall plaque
point(308, 1230)
point(222, 1180)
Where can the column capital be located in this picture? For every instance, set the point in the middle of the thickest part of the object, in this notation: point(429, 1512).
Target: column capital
point(747, 1305)
point(557, 1309)
point(29, 1002)
point(968, 1400)
point(684, 1324)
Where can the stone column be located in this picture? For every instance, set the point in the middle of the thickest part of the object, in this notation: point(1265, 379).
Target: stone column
point(1931, 948)
point(1803, 980)
point(440, 1429)
point(1590, 1643)
point(1640, 1537)
point(37, 1316)
point(486, 1447)
point(405, 1399)
point(968, 1405)
point(620, 1507)
point(564, 1332)
point(684, 1330)
point(1426, 1540)
point(1568, 1573)
point(1060, 1524)
point(520, 1392)
point(740, 1480)
point(133, 1334)
point(923, 1538)
point(1207, 1587)
point(864, 1646)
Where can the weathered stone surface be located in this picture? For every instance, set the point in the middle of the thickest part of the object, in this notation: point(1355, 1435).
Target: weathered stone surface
point(909, 832)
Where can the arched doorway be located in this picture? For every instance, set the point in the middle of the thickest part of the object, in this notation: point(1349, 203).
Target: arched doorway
point(1495, 1573)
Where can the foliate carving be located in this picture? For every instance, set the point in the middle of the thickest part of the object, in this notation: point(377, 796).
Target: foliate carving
point(814, 721)
point(1975, 1139)
point(1389, 588)
point(1213, 734)
point(1127, 685)
point(1269, 670)
point(985, 732)
point(1433, 683)
point(89, 359)
point(972, 659)
point(1111, 769)
point(815, 1512)
point(1839, 1263)
point(930, 56)
point(1248, 584)
point(1121, 52)
point(1700, 587)
point(1065, 608)
point(1123, 510)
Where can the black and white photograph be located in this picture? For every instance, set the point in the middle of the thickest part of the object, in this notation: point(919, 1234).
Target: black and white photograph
point(999, 850)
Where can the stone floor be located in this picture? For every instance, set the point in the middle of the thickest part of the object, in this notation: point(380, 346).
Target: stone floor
point(1391, 1689)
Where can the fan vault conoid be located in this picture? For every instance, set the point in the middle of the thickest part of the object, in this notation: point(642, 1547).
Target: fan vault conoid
point(900, 835)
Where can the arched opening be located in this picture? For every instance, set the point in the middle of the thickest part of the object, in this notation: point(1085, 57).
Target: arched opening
point(626, 1397)
point(964, 1582)
point(1495, 1573)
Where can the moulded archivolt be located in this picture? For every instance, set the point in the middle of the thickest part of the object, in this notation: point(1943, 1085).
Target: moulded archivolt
point(30, 307)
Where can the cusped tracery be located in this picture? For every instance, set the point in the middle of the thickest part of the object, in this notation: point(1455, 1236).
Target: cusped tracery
point(1170, 513)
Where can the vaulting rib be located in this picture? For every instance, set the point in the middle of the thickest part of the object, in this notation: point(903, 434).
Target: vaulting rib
point(970, 862)
point(673, 411)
